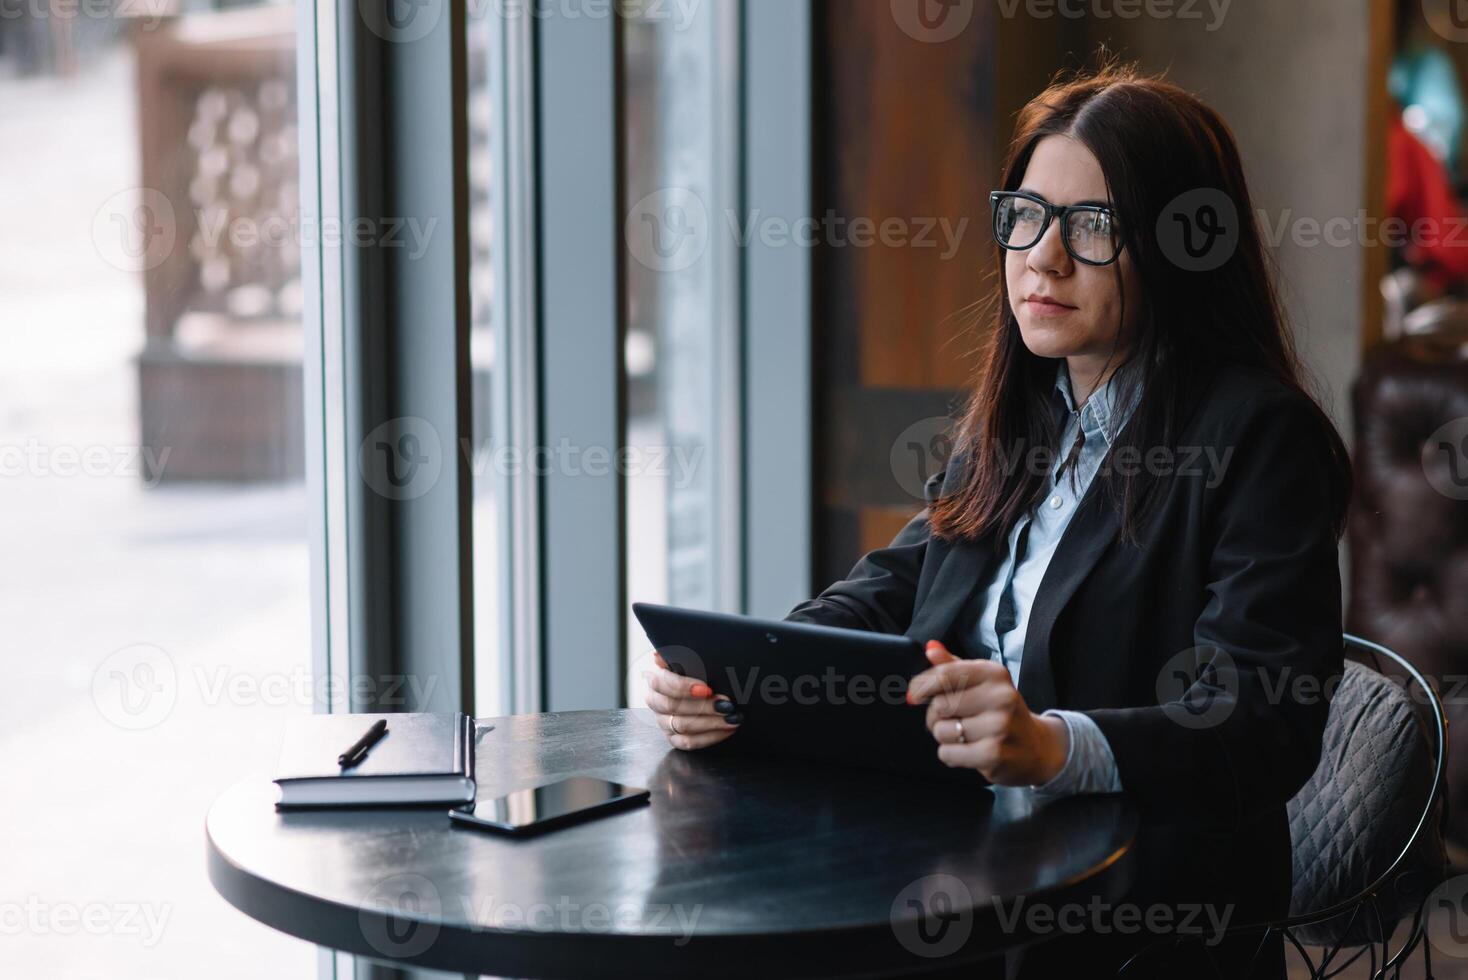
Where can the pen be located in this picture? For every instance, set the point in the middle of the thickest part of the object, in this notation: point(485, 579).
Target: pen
point(358, 751)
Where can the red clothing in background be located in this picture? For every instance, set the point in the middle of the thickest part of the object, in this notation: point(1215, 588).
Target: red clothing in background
point(1418, 190)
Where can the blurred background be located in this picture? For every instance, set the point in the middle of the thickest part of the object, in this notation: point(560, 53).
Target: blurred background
point(153, 418)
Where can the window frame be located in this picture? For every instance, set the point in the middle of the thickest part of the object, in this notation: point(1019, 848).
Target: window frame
point(388, 338)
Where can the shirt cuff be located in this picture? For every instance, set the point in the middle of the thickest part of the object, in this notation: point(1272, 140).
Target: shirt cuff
point(1089, 765)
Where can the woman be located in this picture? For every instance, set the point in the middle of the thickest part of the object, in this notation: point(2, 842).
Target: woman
point(1155, 608)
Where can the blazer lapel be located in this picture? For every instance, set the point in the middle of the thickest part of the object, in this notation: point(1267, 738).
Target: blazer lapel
point(969, 565)
point(965, 566)
point(1091, 530)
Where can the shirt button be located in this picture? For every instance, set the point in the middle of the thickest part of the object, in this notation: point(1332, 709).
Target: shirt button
point(1055, 502)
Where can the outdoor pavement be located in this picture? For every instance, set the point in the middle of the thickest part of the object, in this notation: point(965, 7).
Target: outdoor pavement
point(106, 790)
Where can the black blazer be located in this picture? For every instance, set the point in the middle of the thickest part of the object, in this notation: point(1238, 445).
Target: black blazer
point(1242, 557)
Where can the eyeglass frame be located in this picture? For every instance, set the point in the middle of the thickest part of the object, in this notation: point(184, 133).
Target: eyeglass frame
point(1051, 211)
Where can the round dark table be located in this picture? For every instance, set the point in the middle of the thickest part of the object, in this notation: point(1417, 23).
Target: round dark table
point(737, 866)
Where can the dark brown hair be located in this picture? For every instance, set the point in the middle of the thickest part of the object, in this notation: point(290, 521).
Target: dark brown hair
point(1154, 142)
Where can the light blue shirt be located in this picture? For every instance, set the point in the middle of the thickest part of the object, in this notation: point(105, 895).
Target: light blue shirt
point(1089, 766)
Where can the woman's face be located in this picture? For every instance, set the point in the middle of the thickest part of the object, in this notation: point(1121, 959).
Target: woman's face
point(1066, 308)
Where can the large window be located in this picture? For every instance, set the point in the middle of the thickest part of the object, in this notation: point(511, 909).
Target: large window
point(155, 589)
point(209, 369)
point(485, 41)
point(682, 347)
point(640, 321)
point(502, 362)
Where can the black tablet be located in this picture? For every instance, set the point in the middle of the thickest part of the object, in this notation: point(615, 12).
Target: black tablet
point(816, 693)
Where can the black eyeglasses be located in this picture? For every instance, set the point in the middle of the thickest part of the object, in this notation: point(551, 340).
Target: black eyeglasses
point(1088, 231)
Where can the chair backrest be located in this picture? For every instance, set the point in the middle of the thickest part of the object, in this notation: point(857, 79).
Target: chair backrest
point(1368, 822)
point(1400, 293)
point(1442, 319)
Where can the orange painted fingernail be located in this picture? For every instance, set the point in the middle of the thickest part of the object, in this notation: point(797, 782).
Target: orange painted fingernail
point(908, 697)
point(701, 691)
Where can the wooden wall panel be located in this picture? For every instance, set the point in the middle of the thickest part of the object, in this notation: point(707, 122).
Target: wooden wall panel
point(908, 139)
point(904, 134)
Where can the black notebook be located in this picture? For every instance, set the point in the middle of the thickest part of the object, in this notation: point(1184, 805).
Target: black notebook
point(422, 758)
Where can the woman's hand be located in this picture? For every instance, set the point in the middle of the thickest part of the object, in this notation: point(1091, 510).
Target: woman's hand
point(688, 710)
point(1001, 738)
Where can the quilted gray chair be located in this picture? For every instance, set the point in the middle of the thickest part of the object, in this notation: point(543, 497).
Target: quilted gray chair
point(1367, 826)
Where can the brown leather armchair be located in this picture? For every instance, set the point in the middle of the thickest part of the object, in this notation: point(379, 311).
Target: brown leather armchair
point(1409, 529)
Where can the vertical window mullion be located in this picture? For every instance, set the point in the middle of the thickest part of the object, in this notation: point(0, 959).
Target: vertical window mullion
point(778, 531)
point(395, 361)
point(581, 376)
point(515, 382)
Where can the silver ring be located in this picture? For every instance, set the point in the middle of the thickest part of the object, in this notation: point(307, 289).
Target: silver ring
point(961, 736)
point(673, 724)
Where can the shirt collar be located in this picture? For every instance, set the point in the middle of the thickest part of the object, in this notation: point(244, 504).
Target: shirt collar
point(1101, 408)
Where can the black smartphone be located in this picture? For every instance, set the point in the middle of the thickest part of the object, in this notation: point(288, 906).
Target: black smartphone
point(530, 811)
